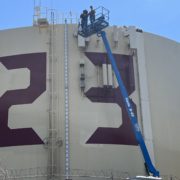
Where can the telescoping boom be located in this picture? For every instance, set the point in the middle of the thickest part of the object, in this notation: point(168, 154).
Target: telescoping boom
point(100, 23)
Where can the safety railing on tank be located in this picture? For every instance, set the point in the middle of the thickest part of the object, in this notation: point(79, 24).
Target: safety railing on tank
point(44, 16)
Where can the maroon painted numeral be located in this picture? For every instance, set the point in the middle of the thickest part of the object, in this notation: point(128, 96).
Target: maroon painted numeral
point(36, 63)
point(123, 134)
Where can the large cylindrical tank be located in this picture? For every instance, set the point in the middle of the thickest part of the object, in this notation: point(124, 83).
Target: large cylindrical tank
point(61, 112)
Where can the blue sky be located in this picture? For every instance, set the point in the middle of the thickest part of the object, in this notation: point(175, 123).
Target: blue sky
point(160, 17)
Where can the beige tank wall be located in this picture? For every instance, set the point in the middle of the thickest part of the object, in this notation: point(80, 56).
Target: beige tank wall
point(85, 116)
point(162, 59)
point(14, 42)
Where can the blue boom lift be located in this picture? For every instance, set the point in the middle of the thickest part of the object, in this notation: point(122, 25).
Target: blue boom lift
point(101, 22)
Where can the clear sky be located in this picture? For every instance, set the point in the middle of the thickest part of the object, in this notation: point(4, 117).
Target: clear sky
point(160, 17)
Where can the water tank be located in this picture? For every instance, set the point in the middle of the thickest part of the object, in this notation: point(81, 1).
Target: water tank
point(61, 113)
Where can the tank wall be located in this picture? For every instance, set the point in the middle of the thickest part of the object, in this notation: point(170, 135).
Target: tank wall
point(101, 137)
point(162, 58)
point(32, 115)
point(85, 116)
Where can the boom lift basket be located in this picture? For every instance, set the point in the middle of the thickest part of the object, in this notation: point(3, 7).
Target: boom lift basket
point(101, 22)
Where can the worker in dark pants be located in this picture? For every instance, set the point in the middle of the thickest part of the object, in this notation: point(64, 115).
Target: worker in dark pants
point(92, 15)
point(84, 19)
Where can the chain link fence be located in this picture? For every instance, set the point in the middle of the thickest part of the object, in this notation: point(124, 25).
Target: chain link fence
point(41, 173)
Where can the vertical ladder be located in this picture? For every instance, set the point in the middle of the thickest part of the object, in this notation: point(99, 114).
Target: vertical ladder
point(52, 106)
point(66, 102)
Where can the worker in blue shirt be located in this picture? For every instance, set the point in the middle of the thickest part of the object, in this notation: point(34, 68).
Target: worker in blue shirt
point(92, 15)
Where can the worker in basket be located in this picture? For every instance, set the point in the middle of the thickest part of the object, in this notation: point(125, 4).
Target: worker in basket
point(84, 19)
point(92, 14)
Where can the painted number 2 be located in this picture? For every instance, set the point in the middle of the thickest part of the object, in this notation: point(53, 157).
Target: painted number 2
point(36, 63)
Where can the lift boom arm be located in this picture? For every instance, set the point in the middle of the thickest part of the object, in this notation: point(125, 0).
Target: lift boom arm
point(129, 108)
